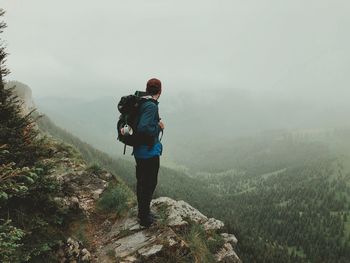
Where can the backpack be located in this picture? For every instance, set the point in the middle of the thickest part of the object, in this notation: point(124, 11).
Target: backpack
point(128, 107)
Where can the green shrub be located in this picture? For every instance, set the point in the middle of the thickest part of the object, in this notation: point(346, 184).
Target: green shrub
point(94, 168)
point(69, 149)
point(201, 245)
point(215, 243)
point(29, 219)
point(10, 241)
point(163, 215)
point(26, 198)
point(115, 199)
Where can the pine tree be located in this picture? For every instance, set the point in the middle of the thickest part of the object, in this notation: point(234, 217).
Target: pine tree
point(18, 142)
point(26, 190)
point(3, 70)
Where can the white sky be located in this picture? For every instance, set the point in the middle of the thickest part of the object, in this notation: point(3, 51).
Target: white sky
point(97, 48)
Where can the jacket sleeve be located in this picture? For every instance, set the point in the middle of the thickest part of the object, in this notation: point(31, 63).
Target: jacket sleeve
point(148, 124)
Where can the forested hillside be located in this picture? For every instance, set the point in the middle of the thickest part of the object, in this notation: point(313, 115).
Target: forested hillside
point(302, 209)
point(290, 192)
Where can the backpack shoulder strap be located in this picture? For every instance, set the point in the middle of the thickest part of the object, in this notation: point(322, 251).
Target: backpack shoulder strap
point(143, 100)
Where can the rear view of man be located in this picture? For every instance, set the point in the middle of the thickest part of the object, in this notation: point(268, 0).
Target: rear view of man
point(147, 155)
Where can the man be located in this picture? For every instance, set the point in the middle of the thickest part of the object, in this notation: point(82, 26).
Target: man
point(147, 154)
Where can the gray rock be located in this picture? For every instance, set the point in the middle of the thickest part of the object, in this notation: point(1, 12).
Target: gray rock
point(213, 224)
point(227, 255)
point(74, 200)
point(73, 248)
point(230, 238)
point(136, 227)
point(96, 194)
point(130, 244)
point(63, 203)
point(106, 225)
point(179, 211)
point(147, 252)
point(106, 176)
point(130, 259)
point(86, 256)
point(72, 251)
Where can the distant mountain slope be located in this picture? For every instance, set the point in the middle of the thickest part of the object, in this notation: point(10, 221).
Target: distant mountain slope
point(199, 122)
point(304, 209)
point(94, 121)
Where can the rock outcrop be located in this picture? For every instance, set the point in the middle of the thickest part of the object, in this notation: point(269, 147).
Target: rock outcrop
point(110, 238)
point(125, 241)
point(73, 251)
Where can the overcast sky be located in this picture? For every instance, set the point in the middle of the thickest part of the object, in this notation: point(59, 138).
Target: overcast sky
point(97, 48)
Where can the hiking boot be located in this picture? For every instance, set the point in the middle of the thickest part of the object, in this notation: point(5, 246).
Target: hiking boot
point(147, 222)
point(154, 216)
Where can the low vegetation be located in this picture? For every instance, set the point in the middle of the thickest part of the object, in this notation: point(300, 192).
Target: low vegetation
point(202, 247)
point(116, 199)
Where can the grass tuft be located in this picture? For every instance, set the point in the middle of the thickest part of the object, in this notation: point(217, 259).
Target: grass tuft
point(117, 198)
point(197, 240)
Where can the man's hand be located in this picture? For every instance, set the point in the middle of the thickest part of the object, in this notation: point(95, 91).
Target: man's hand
point(161, 125)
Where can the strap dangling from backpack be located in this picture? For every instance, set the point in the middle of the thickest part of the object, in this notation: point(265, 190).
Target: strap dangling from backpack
point(124, 149)
point(162, 131)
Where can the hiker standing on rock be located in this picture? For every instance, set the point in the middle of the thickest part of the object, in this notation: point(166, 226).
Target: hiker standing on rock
point(147, 155)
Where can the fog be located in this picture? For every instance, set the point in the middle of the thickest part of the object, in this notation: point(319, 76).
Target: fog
point(229, 68)
point(90, 48)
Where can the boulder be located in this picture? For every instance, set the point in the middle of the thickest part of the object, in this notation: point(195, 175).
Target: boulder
point(147, 252)
point(73, 251)
point(132, 243)
point(229, 238)
point(213, 224)
point(178, 212)
point(227, 255)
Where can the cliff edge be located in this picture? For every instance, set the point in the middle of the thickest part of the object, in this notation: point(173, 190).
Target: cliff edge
point(98, 234)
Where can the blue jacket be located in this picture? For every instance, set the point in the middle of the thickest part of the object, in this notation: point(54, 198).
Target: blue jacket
point(149, 125)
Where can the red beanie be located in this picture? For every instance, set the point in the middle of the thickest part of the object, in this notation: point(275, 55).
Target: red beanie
point(154, 86)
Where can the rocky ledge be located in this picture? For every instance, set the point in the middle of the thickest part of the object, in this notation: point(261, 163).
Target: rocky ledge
point(125, 241)
point(181, 234)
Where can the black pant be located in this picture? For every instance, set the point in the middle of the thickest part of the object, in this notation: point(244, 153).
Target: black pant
point(147, 177)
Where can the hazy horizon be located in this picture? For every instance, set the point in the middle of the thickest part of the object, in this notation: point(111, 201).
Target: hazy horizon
point(292, 49)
